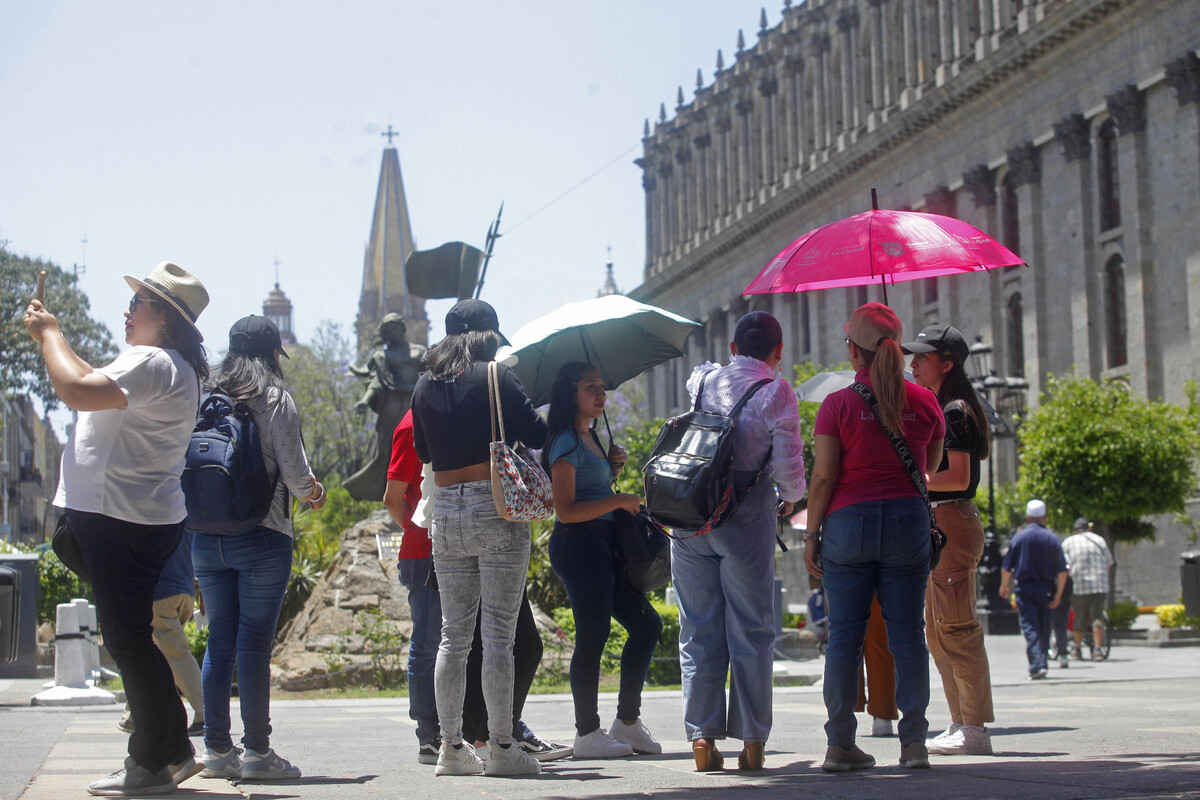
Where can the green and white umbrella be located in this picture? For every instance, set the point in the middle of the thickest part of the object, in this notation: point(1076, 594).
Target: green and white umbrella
point(619, 337)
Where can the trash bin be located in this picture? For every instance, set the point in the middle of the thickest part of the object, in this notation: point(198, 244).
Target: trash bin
point(1189, 577)
point(10, 613)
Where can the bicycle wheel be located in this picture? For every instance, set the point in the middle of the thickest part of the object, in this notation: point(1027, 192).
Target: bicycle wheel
point(1107, 646)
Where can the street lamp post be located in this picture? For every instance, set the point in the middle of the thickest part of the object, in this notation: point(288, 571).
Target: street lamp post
point(997, 615)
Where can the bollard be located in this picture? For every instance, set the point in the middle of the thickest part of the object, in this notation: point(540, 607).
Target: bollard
point(1189, 577)
point(71, 661)
point(87, 626)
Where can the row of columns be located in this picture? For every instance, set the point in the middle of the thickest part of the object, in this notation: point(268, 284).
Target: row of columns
point(811, 86)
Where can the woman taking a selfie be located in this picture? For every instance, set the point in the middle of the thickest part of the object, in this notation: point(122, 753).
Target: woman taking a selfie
point(124, 503)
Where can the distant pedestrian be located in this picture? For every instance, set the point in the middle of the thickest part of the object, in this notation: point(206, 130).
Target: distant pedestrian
point(1089, 561)
point(725, 579)
point(868, 532)
point(1035, 558)
point(951, 623)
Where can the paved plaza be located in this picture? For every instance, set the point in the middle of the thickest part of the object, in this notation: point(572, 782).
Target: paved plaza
point(1126, 728)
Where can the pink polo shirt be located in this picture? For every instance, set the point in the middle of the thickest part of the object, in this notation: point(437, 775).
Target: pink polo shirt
point(869, 468)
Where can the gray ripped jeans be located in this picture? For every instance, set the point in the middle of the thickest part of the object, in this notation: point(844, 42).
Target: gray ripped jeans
point(481, 561)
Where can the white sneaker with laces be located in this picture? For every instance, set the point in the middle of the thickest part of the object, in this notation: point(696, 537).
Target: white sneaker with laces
point(221, 765)
point(943, 737)
point(483, 751)
point(968, 740)
point(598, 744)
point(268, 766)
point(511, 760)
point(185, 769)
point(133, 780)
point(636, 736)
point(881, 727)
point(458, 760)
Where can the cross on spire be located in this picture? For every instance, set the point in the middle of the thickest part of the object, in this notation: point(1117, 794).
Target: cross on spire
point(276, 262)
point(389, 133)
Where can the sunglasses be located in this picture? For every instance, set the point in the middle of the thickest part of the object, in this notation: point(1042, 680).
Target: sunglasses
point(138, 300)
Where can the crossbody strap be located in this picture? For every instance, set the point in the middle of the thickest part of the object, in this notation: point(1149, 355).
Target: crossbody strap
point(898, 443)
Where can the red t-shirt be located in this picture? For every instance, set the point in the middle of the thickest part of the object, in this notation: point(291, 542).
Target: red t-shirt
point(405, 466)
point(869, 467)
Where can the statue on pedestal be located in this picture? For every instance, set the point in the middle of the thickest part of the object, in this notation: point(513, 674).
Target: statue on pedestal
point(391, 373)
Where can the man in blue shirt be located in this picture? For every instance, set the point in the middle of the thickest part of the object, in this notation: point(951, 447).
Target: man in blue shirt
point(1035, 558)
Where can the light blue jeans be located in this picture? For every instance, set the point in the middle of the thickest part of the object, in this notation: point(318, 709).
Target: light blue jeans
point(481, 561)
point(426, 608)
point(725, 582)
point(880, 547)
point(243, 579)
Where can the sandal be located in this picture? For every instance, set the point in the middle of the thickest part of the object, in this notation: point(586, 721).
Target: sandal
point(708, 758)
point(751, 756)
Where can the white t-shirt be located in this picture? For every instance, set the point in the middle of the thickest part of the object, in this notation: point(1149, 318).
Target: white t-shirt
point(125, 463)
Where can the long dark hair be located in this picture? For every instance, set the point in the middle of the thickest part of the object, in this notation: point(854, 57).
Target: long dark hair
point(564, 405)
point(956, 386)
point(458, 352)
point(246, 376)
point(180, 335)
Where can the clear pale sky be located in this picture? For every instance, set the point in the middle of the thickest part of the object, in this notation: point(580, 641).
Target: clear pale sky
point(225, 135)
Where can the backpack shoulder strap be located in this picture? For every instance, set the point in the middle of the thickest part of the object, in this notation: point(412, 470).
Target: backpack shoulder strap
point(753, 390)
point(898, 444)
point(700, 390)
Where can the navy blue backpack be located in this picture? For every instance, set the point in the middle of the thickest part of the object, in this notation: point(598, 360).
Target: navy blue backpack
point(225, 480)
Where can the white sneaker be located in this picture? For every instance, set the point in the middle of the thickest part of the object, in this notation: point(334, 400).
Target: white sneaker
point(221, 765)
point(636, 736)
point(460, 760)
point(483, 751)
point(598, 744)
point(511, 760)
point(268, 766)
point(943, 737)
point(881, 727)
point(185, 769)
point(968, 740)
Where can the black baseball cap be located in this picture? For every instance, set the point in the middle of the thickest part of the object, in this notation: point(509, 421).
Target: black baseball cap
point(255, 335)
point(473, 315)
point(1081, 524)
point(945, 340)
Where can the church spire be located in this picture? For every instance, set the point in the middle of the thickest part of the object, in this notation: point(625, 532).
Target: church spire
point(610, 282)
point(384, 288)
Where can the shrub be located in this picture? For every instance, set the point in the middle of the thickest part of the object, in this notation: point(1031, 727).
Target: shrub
point(197, 639)
point(664, 668)
point(57, 584)
point(1175, 616)
point(1122, 615)
point(381, 641)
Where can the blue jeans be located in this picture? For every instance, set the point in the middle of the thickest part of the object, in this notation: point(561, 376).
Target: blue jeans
point(877, 548)
point(581, 554)
point(1033, 609)
point(426, 607)
point(243, 579)
point(125, 560)
point(481, 561)
point(725, 582)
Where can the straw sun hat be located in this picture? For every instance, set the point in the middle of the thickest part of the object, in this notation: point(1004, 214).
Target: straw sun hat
point(175, 285)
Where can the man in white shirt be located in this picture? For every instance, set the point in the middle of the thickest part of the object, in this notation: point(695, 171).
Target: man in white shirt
point(1088, 561)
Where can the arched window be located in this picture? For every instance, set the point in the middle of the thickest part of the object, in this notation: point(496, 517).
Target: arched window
point(1115, 328)
point(1016, 337)
point(1109, 177)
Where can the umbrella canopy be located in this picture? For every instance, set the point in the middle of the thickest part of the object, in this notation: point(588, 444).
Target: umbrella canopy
point(881, 246)
point(619, 337)
point(823, 384)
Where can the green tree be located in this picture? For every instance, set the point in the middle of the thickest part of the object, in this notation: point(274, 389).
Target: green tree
point(1096, 450)
point(21, 368)
point(335, 439)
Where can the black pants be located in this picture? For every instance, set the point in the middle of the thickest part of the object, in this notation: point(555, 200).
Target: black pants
point(125, 559)
point(527, 655)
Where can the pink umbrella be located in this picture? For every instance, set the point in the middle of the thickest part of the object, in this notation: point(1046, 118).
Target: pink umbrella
point(883, 247)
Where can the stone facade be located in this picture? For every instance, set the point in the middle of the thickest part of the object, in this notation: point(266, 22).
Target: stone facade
point(1067, 129)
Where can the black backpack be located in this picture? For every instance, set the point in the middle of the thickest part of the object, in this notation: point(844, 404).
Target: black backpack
point(225, 480)
point(689, 477)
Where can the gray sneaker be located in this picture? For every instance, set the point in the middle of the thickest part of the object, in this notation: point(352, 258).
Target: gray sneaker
point(428, 752)
point(844, 759)
point(511, 760)
point(182, 770)
point(268, 766)
point(221, 765)
point(914, 756)
point(133, 780)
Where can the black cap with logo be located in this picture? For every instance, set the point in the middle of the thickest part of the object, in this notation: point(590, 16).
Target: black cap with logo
point(945, 340)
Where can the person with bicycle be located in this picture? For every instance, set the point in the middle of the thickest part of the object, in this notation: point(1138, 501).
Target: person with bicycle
point(1089, 561)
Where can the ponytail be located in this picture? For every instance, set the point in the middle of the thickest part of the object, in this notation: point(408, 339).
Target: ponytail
point(887, 377)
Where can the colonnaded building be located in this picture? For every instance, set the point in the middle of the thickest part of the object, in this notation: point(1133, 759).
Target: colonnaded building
point(1067, 129)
